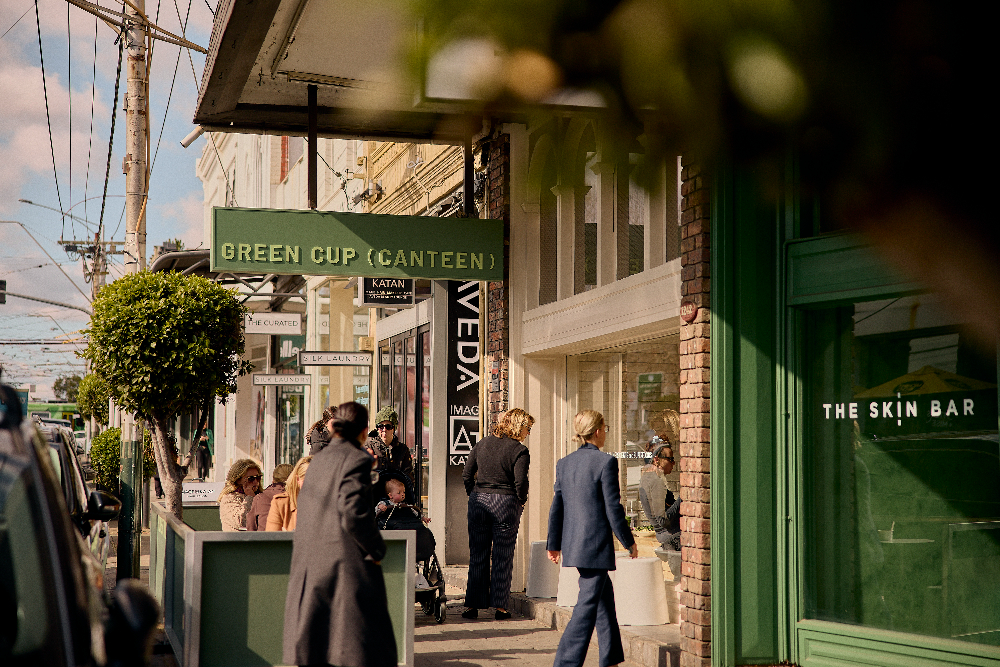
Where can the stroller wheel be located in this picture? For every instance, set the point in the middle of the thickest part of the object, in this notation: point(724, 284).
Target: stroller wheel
point(440, 610)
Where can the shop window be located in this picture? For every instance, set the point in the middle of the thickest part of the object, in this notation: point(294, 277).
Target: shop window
point(901, 479)
point(636, 388)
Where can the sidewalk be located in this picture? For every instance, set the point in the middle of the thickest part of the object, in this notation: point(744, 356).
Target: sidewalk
point(645, 645)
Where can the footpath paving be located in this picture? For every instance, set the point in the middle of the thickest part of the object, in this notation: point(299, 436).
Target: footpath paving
point(529, 639)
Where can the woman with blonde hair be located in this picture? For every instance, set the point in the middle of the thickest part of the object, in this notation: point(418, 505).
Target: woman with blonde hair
point(496, 479)
point(585, 517)
point(282, 514)
point(242, 484)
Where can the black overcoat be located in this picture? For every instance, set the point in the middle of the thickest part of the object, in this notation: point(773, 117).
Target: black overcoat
point(336, 611)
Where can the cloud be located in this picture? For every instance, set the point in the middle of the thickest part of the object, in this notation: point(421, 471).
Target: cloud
point(185, 219)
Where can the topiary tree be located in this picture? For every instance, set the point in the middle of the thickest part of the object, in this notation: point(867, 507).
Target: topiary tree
point(106, 453)
point(92, 398)
point(167, 344)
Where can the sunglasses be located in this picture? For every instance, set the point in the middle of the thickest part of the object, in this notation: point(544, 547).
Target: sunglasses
point(254, 478)
point(385, 427)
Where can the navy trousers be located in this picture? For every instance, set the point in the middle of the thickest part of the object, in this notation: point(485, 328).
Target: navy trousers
point(595, 606)
point(493, 522)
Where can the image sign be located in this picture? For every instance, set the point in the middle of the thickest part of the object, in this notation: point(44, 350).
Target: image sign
point(464, 341)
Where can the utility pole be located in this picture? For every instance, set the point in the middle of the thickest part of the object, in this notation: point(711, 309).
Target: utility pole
point(134, 166)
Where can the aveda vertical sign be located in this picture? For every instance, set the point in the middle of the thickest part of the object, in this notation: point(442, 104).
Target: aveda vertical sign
point(464, 359)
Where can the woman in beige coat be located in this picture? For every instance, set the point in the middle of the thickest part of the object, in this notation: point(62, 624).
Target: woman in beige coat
point(242, 484)
point(282, 514)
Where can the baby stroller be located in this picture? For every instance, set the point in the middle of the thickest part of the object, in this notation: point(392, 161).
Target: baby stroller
point(429, 592)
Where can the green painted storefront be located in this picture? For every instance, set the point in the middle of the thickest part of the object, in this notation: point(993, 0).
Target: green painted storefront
point(855, 466)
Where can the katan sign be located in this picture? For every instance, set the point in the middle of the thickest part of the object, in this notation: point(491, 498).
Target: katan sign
point(332, 243)
point(279, 380)
point(335, 358)
point(385, 292)
point(463, 370)
point(273, 323)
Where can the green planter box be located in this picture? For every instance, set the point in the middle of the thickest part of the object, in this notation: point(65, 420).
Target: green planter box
point(229, 588)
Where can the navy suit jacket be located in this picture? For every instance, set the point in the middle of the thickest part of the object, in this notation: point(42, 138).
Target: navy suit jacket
point(587, 509)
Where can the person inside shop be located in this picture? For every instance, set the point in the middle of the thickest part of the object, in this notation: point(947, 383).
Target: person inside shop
point(284, 508)
point(391, 453)
point(585, 512)
point(496, 479)
point(261, 504)
point(203, 455)
point(242, 484)
point(658, 502)
point(318, 435)
point(336, 610)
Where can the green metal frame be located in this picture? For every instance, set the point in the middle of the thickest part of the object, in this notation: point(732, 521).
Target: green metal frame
point(763, 280)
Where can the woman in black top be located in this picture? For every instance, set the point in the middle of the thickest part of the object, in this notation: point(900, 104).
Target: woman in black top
point(496, 479)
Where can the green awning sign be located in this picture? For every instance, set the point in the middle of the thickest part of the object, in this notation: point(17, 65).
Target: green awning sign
point(248, 240)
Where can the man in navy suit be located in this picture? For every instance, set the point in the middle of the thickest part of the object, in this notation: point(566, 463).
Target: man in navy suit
point(585, 511)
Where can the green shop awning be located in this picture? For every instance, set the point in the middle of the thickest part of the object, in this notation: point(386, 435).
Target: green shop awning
point(335, 243)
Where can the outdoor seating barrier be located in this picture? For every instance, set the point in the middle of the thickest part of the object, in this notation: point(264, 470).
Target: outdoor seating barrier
point(229, 588)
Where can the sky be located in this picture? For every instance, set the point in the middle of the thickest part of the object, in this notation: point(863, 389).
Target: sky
point(82, 79)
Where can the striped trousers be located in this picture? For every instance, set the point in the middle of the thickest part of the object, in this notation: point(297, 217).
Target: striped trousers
point(493, 523)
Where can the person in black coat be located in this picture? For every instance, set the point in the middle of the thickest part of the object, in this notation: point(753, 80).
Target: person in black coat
point(391, 453)
point(496, 479)
point(336, 611)
point(586, 513)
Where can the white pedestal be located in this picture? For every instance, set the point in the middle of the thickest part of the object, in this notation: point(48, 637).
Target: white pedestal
point(543, 574)
point(640, 596)
point(569, 587)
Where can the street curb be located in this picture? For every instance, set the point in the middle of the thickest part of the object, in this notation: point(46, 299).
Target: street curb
point(640, 650)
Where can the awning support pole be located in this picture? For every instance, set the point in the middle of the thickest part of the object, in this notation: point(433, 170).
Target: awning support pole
point(470, 180)
point(312, 147)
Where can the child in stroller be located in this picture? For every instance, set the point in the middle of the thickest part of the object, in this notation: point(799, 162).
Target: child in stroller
point(393, 513)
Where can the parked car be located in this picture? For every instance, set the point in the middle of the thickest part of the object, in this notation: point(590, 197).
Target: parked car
point(81, 441)
point(52, 610)
point(77, 493)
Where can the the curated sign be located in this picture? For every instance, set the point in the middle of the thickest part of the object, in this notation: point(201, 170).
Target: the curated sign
point(385, 292)
point(336, 243)
point(335, 358)
point(273, 323)
point(276, 380)
point(464, 340)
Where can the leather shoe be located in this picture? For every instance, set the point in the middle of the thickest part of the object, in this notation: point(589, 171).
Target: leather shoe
point(470, 613)
point(502, 615)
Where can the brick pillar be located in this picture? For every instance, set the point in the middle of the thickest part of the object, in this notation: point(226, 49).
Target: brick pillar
point(695, 388)
point(498, 293)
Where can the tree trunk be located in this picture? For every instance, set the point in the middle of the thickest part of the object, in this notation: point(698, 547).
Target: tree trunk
point(171, 473)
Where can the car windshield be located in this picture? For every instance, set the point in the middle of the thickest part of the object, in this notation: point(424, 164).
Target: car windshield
point(24, 619)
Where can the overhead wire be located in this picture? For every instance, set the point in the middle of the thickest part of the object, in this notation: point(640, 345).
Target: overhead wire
point(210, 135)
point(25, 14)
point(48, 117)
point(173, 81)
point(90, 145)
point(111, 141)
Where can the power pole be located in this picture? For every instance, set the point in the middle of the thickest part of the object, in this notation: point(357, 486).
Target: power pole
point(134, 166)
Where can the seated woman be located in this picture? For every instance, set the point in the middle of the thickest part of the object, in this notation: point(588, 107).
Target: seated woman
point(658, 502)
point(242, 484)
point(282, 513)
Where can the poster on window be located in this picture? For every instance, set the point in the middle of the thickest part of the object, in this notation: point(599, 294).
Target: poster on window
point(464, 343)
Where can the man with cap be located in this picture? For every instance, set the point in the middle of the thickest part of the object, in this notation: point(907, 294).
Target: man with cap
point(393, 454)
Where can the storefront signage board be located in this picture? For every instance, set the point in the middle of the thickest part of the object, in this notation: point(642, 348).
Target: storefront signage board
point(464, 359)
point(273, 323)
point(276, 380)
point(385, 292)
point(332, 243)
point(335, 358)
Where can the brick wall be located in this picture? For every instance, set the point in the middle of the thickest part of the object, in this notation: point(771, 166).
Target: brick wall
point(695, 391)
point(497, 150)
